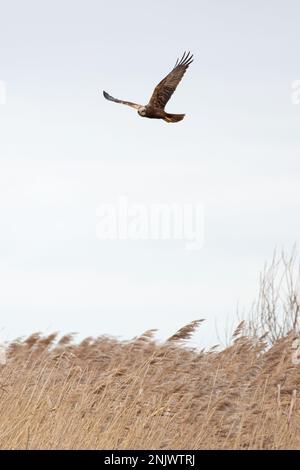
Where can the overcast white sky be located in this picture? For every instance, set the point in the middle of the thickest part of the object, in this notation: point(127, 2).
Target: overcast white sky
point(65, 150)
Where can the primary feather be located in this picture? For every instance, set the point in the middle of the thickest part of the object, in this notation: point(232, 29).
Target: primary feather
point(128, 103)
point(165, 89)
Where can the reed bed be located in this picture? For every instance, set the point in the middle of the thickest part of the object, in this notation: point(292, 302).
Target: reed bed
point(140, 394)
point(56, 393)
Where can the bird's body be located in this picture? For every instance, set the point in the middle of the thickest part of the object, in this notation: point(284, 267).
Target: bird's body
point(157, 113)
point(151, 112)
point(155, 109)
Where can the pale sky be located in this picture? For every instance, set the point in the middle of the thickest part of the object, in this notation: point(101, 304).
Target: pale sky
point(64, 150)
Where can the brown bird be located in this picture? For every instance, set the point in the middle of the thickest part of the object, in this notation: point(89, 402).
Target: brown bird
point(155, 109)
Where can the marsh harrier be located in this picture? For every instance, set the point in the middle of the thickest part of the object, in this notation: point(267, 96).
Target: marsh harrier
point(155, 109)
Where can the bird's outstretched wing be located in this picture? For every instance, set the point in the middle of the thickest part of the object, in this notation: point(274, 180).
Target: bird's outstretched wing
point(128, 103)
point(165, 89)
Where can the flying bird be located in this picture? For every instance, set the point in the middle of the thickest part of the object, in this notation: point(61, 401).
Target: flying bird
point(155, 109)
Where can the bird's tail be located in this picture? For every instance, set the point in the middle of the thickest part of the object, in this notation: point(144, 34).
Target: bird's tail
point(173, 117)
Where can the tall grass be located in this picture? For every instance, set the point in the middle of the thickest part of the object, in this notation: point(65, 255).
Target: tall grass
point(139, 394)
point(106, 394)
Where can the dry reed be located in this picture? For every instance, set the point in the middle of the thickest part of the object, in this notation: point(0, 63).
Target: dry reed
point(107, 394)
point(139, 394)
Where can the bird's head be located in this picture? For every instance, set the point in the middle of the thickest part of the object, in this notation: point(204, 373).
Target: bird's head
point(142, 111)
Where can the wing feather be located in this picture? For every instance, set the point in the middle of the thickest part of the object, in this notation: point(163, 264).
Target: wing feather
point(127, 103)
point(165, 89)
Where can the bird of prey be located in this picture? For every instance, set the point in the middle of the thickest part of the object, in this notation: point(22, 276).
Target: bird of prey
point(155, 109)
